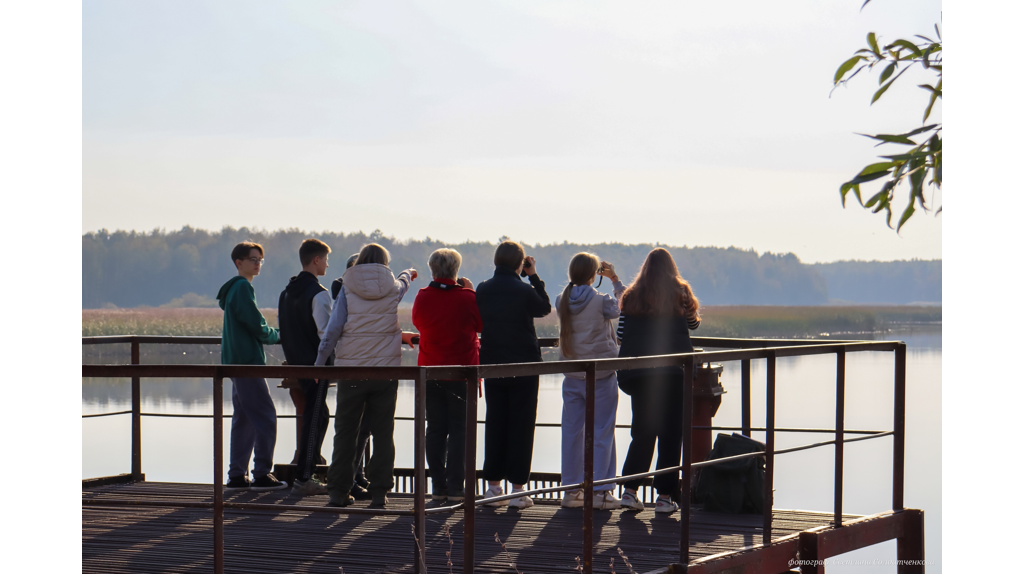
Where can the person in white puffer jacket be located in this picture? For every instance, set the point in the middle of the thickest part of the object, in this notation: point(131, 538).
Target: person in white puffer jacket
point(363, 331)
point(586, 331)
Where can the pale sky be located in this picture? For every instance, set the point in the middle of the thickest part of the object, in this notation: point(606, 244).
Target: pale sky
point(683, 123)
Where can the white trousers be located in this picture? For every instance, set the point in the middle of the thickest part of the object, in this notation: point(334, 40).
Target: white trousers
point(606, 402)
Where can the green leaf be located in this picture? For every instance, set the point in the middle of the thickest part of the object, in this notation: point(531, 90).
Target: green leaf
point(881, 196)
point(931, 89)
point(906, 44)
point(876, 167)
point(873, 42)
point(921, 129)
point(881, 91)
point(891, 138)
point(928, 110)
point(846, 67)
point(906, 215)
point(886, 73)
point(869, 177)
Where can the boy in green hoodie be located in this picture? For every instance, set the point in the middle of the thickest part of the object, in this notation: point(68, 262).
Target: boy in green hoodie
point(245, 331)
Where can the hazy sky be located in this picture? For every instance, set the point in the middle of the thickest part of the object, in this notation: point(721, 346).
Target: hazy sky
point(685, 123)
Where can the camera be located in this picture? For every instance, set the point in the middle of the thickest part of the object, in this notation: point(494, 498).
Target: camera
point(526, 265)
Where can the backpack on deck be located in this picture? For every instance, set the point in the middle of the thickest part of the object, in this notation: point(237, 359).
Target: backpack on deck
point(736, 486)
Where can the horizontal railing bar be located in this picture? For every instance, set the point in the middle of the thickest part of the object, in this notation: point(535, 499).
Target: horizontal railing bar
point(733, 343)
point(545, 425)
point(108, 414)
point(462, 372)
point(245, 506)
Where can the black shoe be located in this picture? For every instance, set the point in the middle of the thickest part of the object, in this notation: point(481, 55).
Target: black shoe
point(340, 503)
point(237, 483)
point(267, 482)
point(379, 501)
point(359, 493)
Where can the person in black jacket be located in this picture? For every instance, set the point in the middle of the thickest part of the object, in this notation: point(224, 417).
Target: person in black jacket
point(508, 306)
point(658, 311)
point(303, 311)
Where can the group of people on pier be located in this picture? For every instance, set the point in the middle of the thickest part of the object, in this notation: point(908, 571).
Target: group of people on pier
point(356, 324)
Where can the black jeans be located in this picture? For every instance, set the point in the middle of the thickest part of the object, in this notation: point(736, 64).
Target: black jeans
point(373, 400)
point(446, 436)
point(508, 430)
point(657, 402)
point(361, 442)
point(315, 420)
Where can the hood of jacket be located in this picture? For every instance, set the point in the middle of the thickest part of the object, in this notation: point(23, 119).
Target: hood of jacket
point(579, 296)
point(370, 281)
point(222, 295)
point(298, 284)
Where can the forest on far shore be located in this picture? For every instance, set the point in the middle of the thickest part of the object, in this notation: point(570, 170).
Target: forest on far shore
point(186, 267)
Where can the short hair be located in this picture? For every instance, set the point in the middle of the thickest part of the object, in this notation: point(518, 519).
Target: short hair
point(243, 249)
point(509, 254)
point(351, 260)
point(312, 248)
point(373, 253)
point(444, 263)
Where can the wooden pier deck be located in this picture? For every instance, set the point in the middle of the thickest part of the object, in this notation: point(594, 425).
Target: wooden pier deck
point(545, 538)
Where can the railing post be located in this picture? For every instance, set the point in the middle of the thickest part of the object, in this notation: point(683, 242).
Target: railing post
point(588, 471)
point(136, 416)
point(218, 475)
point(769, 466)
point(469, 502)
point(899, 426)
point(420, 485)
point(745, 396)
point(684, 485)
point(837, 520)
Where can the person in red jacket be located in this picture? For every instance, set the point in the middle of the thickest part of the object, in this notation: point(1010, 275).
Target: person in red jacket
point(447, 318)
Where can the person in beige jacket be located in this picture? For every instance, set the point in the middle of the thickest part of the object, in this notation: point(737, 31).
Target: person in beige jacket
point(363, 331)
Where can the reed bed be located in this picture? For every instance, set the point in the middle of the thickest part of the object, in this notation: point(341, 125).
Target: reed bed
point(717, 321)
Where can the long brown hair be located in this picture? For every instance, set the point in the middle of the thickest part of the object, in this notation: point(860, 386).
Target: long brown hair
point(659, 289)
point(582, 268)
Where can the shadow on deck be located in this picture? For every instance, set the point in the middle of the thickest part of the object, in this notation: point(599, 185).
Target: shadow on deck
point(545, 538)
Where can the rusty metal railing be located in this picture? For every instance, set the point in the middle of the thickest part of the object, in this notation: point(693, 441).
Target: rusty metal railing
point(745, 351)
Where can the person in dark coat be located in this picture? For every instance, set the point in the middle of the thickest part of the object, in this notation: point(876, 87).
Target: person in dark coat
point(658, 311)
point(302, 313)
point(508, 306)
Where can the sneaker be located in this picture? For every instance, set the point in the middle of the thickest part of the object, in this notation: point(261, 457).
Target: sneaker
point(605, 500)
point(630, 501)
point(267, 482)
point(665, 506)
point(493, 491)
point(439, 496)
point(359, 493)
point(521, 502)
point(309, 487)
point(237, 483)
point(379, 500)
point(456, 498)
point(574, 499)
point(340, 503)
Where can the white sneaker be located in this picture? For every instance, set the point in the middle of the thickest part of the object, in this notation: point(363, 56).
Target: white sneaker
point(630, 501)
point(521, 502)
point(574, 499)
point(493, 491)
point(605, 500)
point(666, 506)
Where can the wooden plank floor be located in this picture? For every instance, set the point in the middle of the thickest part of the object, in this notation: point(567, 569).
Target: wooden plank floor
point(545, 538)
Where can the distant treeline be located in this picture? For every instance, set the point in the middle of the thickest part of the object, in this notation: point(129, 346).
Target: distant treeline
point(130, 268)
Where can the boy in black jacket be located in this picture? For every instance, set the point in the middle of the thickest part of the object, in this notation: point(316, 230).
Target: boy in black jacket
point(302, 313)
point(508, 306)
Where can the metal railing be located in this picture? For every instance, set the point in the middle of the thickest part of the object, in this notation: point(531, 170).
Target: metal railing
point(743, 350)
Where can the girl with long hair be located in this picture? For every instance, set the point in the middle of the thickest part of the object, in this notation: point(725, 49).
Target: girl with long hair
point(659, 310)
point(585, 331)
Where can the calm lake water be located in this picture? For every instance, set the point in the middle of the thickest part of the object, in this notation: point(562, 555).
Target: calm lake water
point(181, 450)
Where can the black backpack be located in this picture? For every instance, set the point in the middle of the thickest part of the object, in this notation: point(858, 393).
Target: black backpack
point(735, 486)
